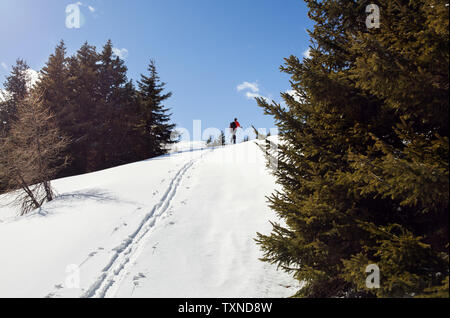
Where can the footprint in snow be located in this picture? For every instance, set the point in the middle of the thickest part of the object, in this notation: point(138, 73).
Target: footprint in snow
point(59, 286)
point(154, 247)
point(139, 276)
point(92, 254)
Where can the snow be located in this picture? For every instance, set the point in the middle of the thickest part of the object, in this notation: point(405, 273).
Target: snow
point(32, 77)
point(180, 225)
point(187, 146)
point(3, 95)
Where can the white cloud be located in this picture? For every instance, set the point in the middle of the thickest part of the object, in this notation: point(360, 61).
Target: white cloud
point(91, 8)
point(251, 95)
point(121, 53)
point(3, 64)
point(251, 90)
point(247, 85)
point(307, 53)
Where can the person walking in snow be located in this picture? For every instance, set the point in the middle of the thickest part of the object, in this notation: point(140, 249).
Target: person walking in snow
point(233, 127)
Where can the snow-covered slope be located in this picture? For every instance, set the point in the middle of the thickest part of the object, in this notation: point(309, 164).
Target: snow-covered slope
point(181, 225)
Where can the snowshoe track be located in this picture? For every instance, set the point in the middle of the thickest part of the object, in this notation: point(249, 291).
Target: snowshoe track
point(127, 252)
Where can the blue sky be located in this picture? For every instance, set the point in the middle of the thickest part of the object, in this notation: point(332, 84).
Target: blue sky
point(204, 49)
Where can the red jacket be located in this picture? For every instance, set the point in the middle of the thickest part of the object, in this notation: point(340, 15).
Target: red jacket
point(237, 124)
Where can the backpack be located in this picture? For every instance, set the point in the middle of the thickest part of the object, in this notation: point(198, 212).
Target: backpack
point(233, 125)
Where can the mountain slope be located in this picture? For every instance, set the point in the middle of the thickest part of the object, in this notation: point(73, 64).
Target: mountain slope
point(180, 225)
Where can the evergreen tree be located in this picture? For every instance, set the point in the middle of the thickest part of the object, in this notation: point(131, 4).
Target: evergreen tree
point(218, 141)
point(128, 147)
point(17, 85)
point(108, 120)
point(154, 123)
point(54, 82)
point(115, 94)
point(99, 120)
point(84, 120)
point(222, 138)
point(364, 157)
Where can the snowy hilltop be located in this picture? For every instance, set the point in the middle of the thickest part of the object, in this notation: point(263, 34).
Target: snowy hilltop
point(178, 225)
